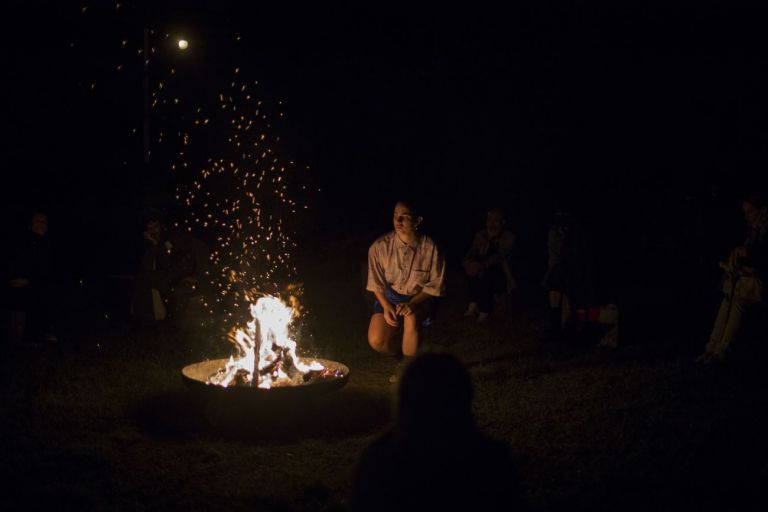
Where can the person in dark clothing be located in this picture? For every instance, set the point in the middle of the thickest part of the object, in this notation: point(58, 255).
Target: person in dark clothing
point(172, 273)
point(434, 457)
point(29, 284)
point(569, 280)
point(745, 273)
point(189, 258)
point(487, 264)
point(152, 283)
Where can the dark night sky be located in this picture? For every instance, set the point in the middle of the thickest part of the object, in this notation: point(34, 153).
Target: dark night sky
point(612, 105)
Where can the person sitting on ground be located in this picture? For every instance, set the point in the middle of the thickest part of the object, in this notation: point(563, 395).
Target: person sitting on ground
point(152, 284)
point(188, 258)
point(406, 271)
point(487, 263)
point(434, 457)
point(29, 291)
point(569, 277)
point(745, 271)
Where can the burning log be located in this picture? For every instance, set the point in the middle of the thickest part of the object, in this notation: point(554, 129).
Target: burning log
point(198, 378)
point(274, 362)
point(281, 370)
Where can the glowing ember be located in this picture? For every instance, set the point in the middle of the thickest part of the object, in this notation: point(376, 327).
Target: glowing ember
point(274, 362)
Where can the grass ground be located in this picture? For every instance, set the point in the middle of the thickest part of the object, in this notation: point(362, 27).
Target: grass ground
point(103, 421)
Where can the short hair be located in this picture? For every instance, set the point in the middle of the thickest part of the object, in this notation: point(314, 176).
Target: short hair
point(497, 211)
point(151, 215)
point(36, 211)
point(411, 205)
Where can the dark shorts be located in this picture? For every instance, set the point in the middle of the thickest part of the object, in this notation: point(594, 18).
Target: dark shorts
point(395, 298)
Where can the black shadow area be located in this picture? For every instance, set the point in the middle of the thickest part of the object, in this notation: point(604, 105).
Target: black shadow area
point(183, 414)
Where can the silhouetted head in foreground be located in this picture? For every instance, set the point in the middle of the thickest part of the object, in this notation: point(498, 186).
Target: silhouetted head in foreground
point(434, 458)
point(435, 395)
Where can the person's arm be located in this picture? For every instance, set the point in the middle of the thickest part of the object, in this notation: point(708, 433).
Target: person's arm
point(474, 249)
point(407, 308)
point(472, 263)
point(435, 285)
point(506, 242)
point(390, 312)
point(378, 284)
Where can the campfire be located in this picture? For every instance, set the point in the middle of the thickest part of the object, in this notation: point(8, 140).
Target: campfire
point(264, 356)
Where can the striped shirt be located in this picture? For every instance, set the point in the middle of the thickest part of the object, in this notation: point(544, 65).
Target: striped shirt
point(406, 269)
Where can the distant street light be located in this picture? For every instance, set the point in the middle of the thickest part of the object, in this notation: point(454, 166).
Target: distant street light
point(183, 45)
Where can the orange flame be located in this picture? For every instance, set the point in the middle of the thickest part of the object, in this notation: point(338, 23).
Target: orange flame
point(274, 362)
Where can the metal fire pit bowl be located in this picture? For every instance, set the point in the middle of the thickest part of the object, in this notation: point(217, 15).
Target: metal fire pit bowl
point(196, 377)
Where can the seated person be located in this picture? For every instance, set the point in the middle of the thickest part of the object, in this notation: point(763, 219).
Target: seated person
point(189, 258)
point(406, 271)
point(569, 279)
point(30, 279)
point(487, 264)
point(153, 278)
point(743, 287)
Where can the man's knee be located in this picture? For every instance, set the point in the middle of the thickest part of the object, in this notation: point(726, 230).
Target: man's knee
point(378, 340)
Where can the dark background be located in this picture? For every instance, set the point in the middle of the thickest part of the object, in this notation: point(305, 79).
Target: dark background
point(646, 120)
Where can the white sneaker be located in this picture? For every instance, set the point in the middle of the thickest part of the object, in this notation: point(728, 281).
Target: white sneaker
point(482, 317)
point(471, 309)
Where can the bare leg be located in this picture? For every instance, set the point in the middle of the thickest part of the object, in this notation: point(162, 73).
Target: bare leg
point(716, 337)
point(412, 327)
point(381, 334)
point(727, 325)
point(411, 334)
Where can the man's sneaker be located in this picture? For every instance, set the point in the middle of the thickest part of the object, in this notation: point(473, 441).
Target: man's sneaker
point(482, 317)
point(471, 309)
point(399, 369)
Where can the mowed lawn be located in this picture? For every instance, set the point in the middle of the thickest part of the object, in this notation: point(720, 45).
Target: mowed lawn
point(103, 420)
